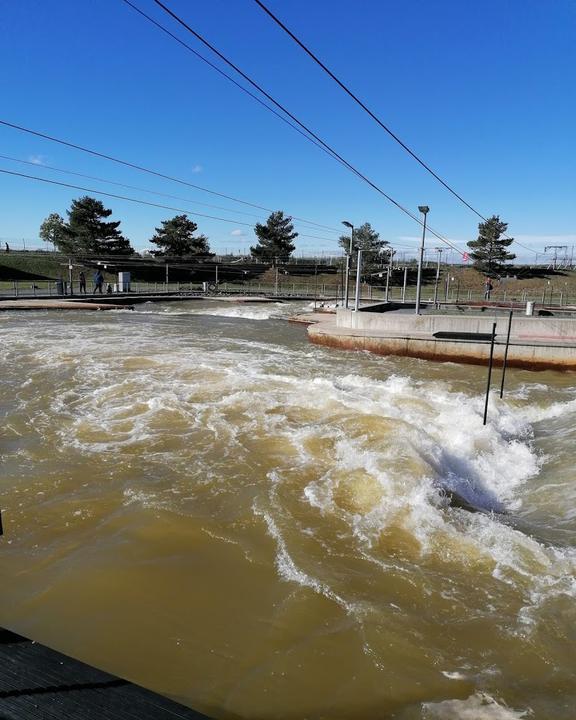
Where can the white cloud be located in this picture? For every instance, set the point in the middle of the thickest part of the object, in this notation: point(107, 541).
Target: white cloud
point(37, 159)
point(197, 169)
point(238, 233)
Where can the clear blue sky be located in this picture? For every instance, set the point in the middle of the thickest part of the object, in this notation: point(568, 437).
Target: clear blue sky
point(483, 92)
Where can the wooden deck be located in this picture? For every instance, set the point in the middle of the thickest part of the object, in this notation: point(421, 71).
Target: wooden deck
point(37, 683)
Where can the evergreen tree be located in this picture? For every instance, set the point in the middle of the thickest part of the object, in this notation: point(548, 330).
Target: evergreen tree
point(176, 238)
point(375, 251)
point(53, 230)
point(89, 233)
point(274, 238)
point(489, 254)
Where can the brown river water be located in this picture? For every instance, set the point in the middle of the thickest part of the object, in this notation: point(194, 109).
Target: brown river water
point(197, 499)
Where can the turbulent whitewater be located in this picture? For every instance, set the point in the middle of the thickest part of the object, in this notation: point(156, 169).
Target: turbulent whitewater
point(198, 499)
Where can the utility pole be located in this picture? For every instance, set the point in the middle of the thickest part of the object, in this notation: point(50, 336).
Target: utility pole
point(556, 248)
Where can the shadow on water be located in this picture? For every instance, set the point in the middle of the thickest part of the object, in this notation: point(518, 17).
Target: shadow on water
point(538, 531)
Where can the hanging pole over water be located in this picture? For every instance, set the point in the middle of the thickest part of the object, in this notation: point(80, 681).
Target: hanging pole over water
point(506, 353)
point(489, 372)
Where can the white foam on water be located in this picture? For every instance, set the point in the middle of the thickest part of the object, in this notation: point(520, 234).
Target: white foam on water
point(395, 442)
point(479, 706)
point(245, 311)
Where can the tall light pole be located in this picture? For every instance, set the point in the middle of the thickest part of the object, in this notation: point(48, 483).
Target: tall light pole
point(348, 260)
point(424, 209)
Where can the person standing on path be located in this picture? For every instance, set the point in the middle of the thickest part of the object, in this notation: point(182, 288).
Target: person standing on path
point(98, 281)
point(82, 282)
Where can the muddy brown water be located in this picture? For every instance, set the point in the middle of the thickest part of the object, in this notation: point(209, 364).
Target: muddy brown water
point(199, 500)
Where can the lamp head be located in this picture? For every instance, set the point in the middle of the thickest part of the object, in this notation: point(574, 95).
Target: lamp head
point(348, 224)
point(423, 209)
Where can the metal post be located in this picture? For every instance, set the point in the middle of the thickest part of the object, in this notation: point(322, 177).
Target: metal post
point(439, 251)
point(405, 283)
point(424, 209)
point(358, 272)
point(348, 262)
point(315, 285)
point(70, 275)
point(387, 284)
point(489, 372)
point(276, 282)
point(504, 364)
point(216, 275)
point(167, 276)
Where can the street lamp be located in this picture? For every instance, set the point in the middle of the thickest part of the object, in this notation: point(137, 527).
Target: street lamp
point(348, 256)
point(424, 209)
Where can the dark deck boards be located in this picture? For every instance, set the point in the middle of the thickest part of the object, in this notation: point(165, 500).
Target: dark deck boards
point(37, 683)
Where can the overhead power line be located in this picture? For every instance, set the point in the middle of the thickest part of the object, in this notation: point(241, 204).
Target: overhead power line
point(129, 187)
point(141, 168)
point(221, 72)
point(141, 202)
point(364, 107)
point(375, 117)
point(330, 151)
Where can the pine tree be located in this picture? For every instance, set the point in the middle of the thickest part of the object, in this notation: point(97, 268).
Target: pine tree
point(176, 238)
point(375, 251)
point(274, 239)
point(489, 254)
point(89, 233)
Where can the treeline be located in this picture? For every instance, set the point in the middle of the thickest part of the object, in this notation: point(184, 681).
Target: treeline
point(88, 230)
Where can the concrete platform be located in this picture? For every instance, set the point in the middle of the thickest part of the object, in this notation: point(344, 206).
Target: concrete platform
point(37, 683)
point(536, 343)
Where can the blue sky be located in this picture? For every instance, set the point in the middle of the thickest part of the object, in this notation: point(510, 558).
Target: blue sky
point(483, 92)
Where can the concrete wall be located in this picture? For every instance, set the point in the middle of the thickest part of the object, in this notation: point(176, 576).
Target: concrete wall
point(403, 325)
point(535, 343)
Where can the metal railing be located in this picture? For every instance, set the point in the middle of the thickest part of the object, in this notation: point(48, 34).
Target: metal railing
point(543, 296)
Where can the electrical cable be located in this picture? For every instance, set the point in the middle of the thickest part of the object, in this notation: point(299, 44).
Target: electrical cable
point(363, 106)
point(221, 72)
point(328, 148)
point(375, 117)
point(148, 170)
point(130, 187)
point(141, 202)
